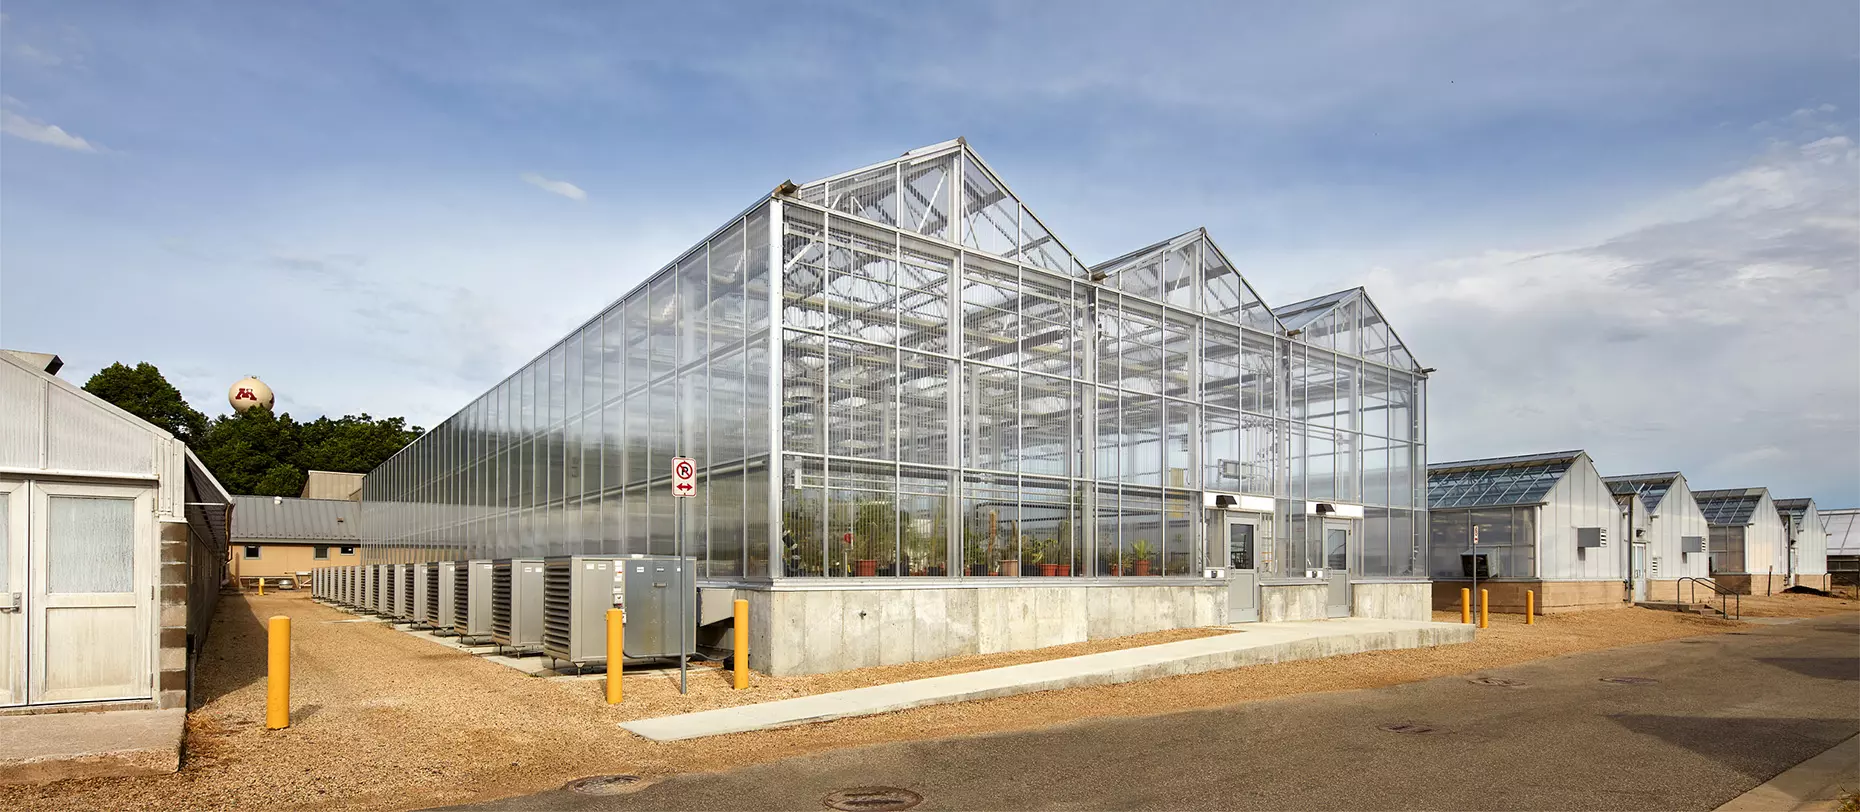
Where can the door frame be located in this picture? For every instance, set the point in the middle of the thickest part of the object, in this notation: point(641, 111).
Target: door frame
point(1637, 570)
point(1338, 578)
point(14, 621)
point(1244, 582)
point(141, 594)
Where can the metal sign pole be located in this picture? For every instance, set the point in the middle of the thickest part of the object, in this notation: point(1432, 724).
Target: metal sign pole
point(684, 486)
point(682, 575)
point(1475, 569)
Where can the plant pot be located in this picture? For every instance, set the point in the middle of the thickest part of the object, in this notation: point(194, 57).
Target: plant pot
point(1064, 570)
point(934, 572)
point(1142, 568)
point(865, 567)
point(1010, 569)
point(1116, 569)
point(978, 569)
point(1049, 570)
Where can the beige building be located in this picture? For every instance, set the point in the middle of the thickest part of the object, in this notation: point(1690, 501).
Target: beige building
point(276, 537)
point(333, 485)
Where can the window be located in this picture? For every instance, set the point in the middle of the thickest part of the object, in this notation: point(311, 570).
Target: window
point(320, 552)
point(251, 551)
point(347, 549)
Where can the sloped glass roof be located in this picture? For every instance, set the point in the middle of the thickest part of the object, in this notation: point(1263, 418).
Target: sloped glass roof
point(1843, 528)
point(1496, 482)
point(1189, 271)
point(1651, 488)
point(947, 192)
point(1729, 507)
point(1792, 510)
point(1348, 322)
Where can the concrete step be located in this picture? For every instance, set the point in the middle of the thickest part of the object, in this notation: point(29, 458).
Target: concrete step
point(1680, 606)
point(44, 747)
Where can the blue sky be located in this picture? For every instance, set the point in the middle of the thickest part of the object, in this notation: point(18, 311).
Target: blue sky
point(1630, 228)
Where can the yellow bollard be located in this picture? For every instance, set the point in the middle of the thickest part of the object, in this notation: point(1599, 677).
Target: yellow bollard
point(261, 587)
point(616, 639)
point(278, 675)
point(1530, 607)
point(1465, 605)
point(740, 656)
point(1485, 607)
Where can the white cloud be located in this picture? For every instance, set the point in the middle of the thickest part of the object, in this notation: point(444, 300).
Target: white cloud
point(1720, 337)
point(32, 129)
point(560, 187)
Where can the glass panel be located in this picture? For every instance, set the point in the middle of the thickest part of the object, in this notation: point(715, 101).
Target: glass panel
point(6, 551)
point(1240, 546)
point(1336, 547)
point(91, 545)
point(923, 513)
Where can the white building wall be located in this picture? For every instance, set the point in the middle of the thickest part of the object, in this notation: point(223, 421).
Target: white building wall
point(1581, 499)
point(1677, 517)
point(1811, 545)
point(1766, 541)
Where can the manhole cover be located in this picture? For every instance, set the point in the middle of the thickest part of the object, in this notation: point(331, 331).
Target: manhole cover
point(1412, 728)
point(1630, 680)
point(872, 799)
point(605, 784)
point(1497, 682)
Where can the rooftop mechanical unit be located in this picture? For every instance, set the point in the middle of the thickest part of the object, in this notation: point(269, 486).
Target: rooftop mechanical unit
point(351, 580)
point(577, 592)
point(390, 591)
point(422, 594)
point(471, 599)
point(516, 602)
point(441, 603)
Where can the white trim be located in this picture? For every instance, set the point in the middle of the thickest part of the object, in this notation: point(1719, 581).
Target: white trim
point(1243, 502)
point(1339, 510)
point(42, 473)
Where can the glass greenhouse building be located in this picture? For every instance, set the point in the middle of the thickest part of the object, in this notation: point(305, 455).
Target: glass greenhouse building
point(908, 399)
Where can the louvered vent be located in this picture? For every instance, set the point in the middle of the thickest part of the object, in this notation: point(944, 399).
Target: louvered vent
point(558, 591)
point(387, 590)
point(432, 593)
point(404, 607)
point(501, 573)
point(461, 598)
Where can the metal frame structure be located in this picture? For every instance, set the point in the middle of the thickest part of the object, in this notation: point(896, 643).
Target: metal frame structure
point(900, 373)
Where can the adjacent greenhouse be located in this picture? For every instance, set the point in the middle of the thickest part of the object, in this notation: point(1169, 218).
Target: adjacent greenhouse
point(1676, 531)
point(1748, 543)
point(910, 402)
point(1808, 542)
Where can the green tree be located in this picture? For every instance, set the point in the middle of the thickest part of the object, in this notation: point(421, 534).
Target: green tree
point(255, 452)
point(352, 443)
point(142, 391)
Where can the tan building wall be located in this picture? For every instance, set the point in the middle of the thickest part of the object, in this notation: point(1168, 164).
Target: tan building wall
point(277, 559)
point(333, 485)
point(1552, 597)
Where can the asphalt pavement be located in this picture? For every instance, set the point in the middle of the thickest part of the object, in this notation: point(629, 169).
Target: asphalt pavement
point(1698, 722)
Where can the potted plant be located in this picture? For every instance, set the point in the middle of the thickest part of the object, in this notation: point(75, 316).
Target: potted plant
point(1140, 555)
point(1113, 561)
point(973, 557)
point(1062, 549)
point(1047, 557)
point(875, 533)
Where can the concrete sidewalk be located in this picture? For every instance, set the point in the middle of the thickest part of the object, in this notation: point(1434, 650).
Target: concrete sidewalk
point(1816, 784)
point(1250, 644)
point(44, 747)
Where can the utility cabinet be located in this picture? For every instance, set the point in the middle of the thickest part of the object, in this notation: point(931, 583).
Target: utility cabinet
point(661, 605)
point(471, 599)
point(403, 591)
point(371, 587)
point(517, 602)
point(440, 594)
point(577, 592)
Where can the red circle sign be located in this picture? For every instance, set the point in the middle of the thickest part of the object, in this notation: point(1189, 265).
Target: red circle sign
point(684, 469)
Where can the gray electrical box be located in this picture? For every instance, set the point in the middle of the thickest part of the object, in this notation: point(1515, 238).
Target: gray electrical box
point(1591, 537)
point(1692, 544)
point(577, 592)
point(471, 599)
point(517, 602)
point(441, 594)
point(656, 589)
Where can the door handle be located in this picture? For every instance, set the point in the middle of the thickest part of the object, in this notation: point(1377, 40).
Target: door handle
point(9, 601)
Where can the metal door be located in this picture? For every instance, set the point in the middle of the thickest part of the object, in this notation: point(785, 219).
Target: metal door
point(1242, 535)
point(1337, 567)
point(1637, 567)
point(12, 593)
point(91, 593)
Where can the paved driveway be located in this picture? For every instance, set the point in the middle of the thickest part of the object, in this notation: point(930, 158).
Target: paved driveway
point(1725, 713)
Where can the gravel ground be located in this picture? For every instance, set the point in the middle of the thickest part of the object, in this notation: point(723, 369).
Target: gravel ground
point(384, 720)
point(1795, 604)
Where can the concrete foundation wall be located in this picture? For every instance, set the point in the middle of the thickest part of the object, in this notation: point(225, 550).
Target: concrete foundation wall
point(1552, 596)
point(171, 660)
point(1766, 584)
point(1293, 602)
point(823, 630)
point(1404, 601)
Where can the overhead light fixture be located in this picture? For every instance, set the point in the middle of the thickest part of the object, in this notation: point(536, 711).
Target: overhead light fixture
point(1428, 370)
point(1224, 501)
point(1326, 507)
point(1294, 333)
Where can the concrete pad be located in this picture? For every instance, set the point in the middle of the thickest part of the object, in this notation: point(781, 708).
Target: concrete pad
point(45, 747)
point(1251, 644)
point(1815, 784)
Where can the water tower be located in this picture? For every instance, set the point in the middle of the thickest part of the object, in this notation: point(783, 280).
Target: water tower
point(248, 393)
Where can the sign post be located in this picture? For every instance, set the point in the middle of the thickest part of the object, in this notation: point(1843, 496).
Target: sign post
point(1475, 561)
point(684, 486)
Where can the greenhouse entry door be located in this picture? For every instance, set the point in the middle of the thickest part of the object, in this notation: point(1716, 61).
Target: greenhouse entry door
point(1241, 531)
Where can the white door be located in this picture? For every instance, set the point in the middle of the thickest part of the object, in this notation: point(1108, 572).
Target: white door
point(1243, 537)
point(1637, 569)
point(1337, 567)
point(12, 592)
point(91, 597)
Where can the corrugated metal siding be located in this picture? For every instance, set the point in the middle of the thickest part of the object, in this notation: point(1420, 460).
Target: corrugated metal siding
point(1766, 543)
point(1811, 547)
point(257, 518)
point(22, 413)
point(81, 437)
point(1679, 516)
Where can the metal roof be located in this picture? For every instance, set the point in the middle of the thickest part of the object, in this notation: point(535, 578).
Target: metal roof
point(1843, 526)
point(284, 517)
point(1651, 487)
point(1732, 506)
point(1496, 481)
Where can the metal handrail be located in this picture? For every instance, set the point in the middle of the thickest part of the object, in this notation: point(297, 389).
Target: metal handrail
point(1735, 604)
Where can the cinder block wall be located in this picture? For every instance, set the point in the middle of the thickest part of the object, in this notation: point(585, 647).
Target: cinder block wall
point(172, 660)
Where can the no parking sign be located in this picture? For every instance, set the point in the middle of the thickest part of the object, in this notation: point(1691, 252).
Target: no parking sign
point(684, 476)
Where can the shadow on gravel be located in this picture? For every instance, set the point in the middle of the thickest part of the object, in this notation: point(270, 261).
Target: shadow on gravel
point(235, 652)
point(1842, 668)
point(1759, 748)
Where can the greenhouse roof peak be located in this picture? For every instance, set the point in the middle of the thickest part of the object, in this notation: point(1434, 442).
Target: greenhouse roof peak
point(1191, 271)
point(1347, 316)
